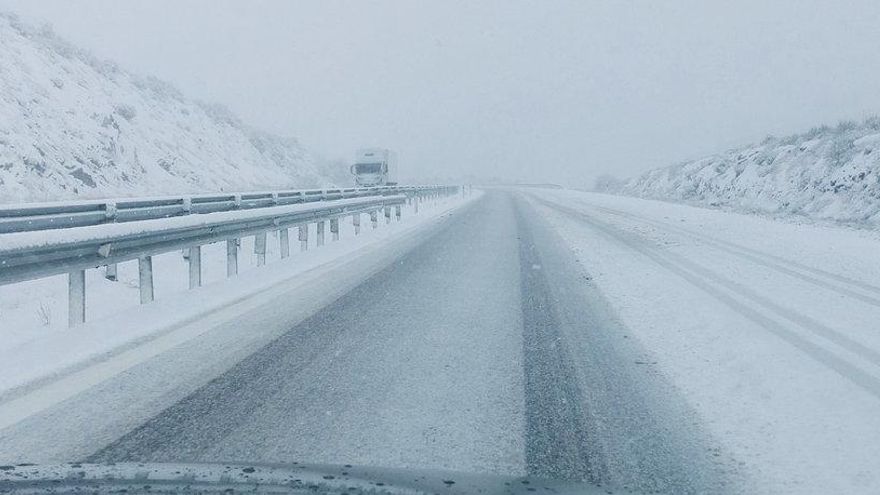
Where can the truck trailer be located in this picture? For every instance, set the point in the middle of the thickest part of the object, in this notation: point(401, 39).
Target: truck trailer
point(375, 167)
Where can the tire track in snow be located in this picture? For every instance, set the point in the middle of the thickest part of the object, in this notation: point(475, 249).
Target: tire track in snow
point(593, 410)
point(801, 320)
point(766, 260)
point(418, 366)
point(558, 440)
point(704, 279)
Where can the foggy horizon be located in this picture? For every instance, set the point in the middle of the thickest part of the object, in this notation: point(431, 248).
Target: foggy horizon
point(559, 92)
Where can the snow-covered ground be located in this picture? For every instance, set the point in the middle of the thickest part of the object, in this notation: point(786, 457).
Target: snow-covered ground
point(768, 328)
point(765, 329)
point(36, 341)
point(827, 173)
point(72, 126)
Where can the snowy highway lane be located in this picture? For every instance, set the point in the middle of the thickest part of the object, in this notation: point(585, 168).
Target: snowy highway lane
point(470, 353)
point(558, 334)
point(484, 348)
point(768, 328)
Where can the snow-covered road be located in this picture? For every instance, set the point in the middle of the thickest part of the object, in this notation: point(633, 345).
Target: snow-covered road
point(552, 333)
point(768, 329)
point(424, 366)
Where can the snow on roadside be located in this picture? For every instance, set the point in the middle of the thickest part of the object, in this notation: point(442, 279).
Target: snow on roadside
point(721, 325)
point(35, 339)
point(828, 174)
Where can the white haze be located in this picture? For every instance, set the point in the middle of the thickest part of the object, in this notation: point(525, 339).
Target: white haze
point(528, 91)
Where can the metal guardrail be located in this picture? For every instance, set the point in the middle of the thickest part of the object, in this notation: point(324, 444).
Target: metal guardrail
point(73, 237)
point(58, 215)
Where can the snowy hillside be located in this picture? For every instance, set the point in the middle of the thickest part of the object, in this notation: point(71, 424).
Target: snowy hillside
point(828, 173)
point(73, 126)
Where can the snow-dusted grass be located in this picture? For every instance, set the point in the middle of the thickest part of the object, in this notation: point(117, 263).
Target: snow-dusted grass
point(35, 341)
point(768, 328)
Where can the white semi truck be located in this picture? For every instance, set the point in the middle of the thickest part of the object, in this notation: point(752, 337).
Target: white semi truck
point(375, 167)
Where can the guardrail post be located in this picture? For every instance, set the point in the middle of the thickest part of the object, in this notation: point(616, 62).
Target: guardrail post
point(145, 278)
point(260, 248)
point(284, 240)
point(416, 203)
point(356, 221)
point(334, 229)
point(231, 257)
point(304, 237)
point(374, 218)
point(387, 215)
point(397, 212)
point(319, 228)
point(110, 212)
point(195, 267)
point(76, 298)
point(110, 272)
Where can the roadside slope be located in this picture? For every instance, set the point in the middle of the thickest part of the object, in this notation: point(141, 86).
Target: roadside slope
point(74, 126)
point(827, 173)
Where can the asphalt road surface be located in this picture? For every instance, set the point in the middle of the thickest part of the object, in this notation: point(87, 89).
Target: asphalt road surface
point(486, 348)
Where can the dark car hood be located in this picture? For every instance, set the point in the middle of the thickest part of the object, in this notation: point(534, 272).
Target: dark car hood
point(295, 478)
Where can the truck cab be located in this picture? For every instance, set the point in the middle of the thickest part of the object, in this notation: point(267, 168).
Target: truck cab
point(375, 167)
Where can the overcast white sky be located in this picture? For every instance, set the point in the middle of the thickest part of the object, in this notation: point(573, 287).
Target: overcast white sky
point(539, 91)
